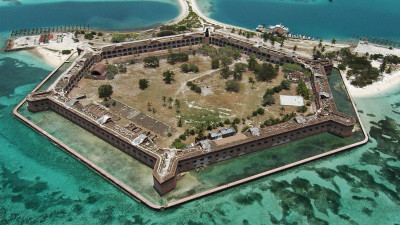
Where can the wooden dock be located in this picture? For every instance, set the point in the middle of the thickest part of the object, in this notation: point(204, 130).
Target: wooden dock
point(48, 30)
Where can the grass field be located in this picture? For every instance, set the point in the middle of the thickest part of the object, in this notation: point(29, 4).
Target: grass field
point(214, 104)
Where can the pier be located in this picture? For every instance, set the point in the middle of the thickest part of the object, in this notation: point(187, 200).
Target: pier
point(48, 30)
point(377, 40)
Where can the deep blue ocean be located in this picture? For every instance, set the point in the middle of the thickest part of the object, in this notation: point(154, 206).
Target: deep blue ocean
point(39, 183)
point(340, 19)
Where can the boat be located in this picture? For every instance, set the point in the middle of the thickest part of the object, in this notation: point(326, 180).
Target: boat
point(260, 27)
point(279, 27)
point(272, 28)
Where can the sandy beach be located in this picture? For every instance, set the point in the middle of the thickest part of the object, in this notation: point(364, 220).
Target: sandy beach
point(50, 57)
point(50, 52)
point(387, 81)
point(183, 12)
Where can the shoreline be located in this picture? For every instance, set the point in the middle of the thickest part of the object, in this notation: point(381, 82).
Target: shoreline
point(385, 84)
point(49, 57)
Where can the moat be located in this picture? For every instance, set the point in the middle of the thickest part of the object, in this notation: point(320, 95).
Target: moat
point(328, 123)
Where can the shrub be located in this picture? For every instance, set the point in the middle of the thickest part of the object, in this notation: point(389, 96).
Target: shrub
point(232, 86)
point(178, 144)
point(173, 58)
point(105, 90)
point(302, 109)
point(236, 121)
point(254, 113)
point(193, 68)
point(185, 68)
point(88, 36)
point(66, 52)
point(227, 121)
point(182, 137)
point(143, 84)
point(169, 134)
point(151, 61)
point(277, 89)
point(193, 87)
point(260, 111)
point(165, 33)
point(245, 129)
point(342, 66)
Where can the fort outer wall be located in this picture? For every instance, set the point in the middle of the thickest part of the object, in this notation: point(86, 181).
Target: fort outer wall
point(167, 183)
point(41, 102)
point(189, 162)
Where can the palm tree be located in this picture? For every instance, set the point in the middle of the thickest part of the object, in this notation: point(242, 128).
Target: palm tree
point(282, 110)
point(170, 100)
point(252, 82)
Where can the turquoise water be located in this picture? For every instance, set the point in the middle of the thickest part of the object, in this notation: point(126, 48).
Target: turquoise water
point(340, 19)
point(39, 183)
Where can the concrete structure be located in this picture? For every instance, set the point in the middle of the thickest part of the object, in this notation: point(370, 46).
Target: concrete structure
point(291, 100)
point(99, 69)
point(167, 163)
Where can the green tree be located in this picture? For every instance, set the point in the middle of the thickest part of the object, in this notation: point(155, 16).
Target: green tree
point(285, 84)
point(168, 76)
point(382, 67)
point(215, 63)
point(151, 61)
point(303, 90)
point(294, 48)
point(333, 41)
point(164, 99)
point(252, 62)
point(143, 84)
point(105, 90)
point(268, 99)
point(266, 73)
point(225, 73)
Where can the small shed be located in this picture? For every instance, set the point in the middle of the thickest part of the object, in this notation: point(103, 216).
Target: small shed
point(255, 131)
point(227, 132)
